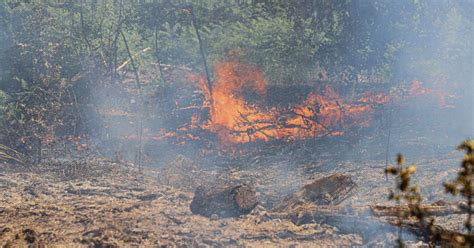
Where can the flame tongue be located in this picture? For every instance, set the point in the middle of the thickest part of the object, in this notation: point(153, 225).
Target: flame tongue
point(231, 116)
point(235, 120)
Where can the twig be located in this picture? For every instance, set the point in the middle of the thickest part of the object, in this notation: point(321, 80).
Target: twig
point(253, 129)
point(314, 120)
point(387, 145)
point(128, 60)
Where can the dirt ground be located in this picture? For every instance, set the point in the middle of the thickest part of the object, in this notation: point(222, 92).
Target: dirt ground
point(101, 203)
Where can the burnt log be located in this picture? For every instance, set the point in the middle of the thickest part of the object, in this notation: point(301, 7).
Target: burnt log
point(330, 190)
point(224, 200)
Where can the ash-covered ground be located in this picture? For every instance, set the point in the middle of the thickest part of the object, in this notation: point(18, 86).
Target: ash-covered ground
point(104, 203)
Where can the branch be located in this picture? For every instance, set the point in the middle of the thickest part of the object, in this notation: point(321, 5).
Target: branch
point(120, 67)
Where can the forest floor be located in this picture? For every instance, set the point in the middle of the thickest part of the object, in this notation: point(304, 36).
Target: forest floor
point(103, 203)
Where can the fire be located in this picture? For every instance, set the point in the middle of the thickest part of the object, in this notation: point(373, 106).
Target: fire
point(231, 117)
point(439, 92)
point(235, 120)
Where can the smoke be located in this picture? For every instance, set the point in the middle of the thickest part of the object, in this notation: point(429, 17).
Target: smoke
point(430, 42)
point(416, 40)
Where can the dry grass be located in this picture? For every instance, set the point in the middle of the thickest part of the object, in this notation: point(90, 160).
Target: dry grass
point(6, 153)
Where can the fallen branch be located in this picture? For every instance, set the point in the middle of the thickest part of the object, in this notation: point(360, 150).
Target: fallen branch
point(286, 234)
point(301, 214)
point(6, 153)
point(126, 62)
point(430, 210)
point(168, 66)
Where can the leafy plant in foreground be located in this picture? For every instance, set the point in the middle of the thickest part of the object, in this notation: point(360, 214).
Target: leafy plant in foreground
point(464, 182)
point(405, 192)
point(411, 195)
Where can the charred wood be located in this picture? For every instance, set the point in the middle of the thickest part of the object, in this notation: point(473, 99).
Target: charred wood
point(330, 190)
point(224, 200)
point(430, 210)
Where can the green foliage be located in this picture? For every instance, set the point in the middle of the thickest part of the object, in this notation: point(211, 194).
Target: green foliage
point(282, 38)
point(3, 101)
point(34, 78)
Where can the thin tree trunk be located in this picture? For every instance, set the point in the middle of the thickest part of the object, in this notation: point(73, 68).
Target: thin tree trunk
point(201, 49)
point(140, 121)
point(114, 43)
point(39, 152)
point(82, 27)
point(157, 55)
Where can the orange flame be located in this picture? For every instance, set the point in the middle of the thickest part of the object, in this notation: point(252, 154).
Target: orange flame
point(439, 92)
point(235, 120)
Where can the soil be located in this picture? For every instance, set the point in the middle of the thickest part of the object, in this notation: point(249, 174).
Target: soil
point(103, 203)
